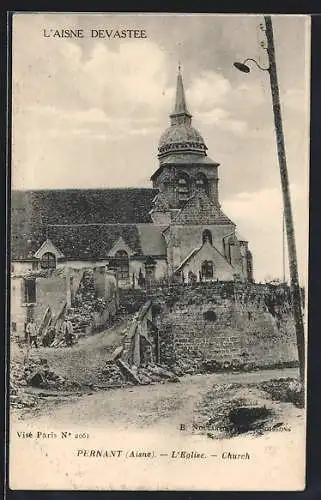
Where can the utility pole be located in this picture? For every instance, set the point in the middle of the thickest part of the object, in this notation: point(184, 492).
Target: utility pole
point(283, 248)
point(294, 275)
point(287, 208)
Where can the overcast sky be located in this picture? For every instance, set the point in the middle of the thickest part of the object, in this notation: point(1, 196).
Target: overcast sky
point(88, 113)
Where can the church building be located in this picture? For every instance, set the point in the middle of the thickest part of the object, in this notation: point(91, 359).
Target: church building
point(175, 230)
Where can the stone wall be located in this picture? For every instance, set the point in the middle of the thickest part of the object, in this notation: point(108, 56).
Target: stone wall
point(204, 327)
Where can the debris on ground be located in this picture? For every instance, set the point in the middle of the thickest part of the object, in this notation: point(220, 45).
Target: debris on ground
point(128, 371)
point(287, 390)
point(185, 367)
point(61, 342)
point(112, 374)
point(19, 399)
point(34, 373)
point(146, 374)
point(157, 373)
point(228, 410)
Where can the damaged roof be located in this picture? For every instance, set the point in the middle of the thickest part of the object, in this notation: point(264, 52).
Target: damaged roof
point(84, 224)
point(93, 242)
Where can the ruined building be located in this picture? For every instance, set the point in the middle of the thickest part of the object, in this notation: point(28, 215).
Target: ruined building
point(175, 229)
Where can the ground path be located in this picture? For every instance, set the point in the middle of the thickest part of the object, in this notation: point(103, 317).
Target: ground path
point(149, 406)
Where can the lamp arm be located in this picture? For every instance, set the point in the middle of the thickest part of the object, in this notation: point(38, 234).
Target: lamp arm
point(257, 64)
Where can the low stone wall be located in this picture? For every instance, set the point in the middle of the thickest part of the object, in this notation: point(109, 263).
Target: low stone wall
point(207, 326)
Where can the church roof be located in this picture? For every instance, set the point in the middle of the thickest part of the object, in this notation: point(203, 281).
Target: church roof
point(93, 242)
point(37, 215)
point(83, 206)
point(181, 136)
point(199, 209)
point(180, 100)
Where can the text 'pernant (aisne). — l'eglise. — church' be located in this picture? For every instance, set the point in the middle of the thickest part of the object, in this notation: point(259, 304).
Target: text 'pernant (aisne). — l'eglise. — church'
point(177, 228)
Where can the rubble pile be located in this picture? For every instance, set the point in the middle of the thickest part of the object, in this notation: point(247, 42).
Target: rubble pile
point(85, 303)
point(156, 373)
point(183, 367)
point(35, 373)
point(287, 390)
point(112, 374)
point(118, 372)
point(61, 342)
point(18, 398)
point(81, 317)
point(131, 300)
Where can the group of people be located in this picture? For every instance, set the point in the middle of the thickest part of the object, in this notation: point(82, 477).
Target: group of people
point(66, 331)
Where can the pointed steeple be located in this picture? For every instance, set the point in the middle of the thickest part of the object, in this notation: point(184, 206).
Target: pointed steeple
point(180, 114)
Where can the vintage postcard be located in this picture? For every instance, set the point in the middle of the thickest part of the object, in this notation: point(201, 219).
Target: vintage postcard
point(159, 229)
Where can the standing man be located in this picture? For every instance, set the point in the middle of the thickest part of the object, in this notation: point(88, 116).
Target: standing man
point(31, 330)
point(68, 331)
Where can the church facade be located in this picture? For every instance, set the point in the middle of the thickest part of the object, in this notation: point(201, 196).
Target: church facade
point(175, 230)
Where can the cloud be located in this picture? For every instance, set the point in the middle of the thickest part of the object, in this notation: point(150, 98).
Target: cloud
point(258, 215)
point(144, 131)
point(224, 120)
point(138, 69)
point(207, 91)
point(213, 116)
point(294, 99)
point(63, 92)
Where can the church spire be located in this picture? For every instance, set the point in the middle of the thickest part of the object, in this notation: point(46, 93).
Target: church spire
point(180, 114)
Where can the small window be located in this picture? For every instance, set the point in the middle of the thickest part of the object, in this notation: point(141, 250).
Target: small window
point(183, 187)
point(201, 183)
point(122, 264)
point(12, 268)
point(207, 237)
point(48, 261)
point(14, 327)
point(210, 315)
point(207, 269)
point(30, 291)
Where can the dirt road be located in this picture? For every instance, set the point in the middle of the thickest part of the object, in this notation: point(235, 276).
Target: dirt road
point(149, 406)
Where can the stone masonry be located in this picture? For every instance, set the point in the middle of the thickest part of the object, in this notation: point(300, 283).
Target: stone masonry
point(204, 325)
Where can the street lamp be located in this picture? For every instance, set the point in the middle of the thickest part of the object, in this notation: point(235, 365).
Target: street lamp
point(242, 66)
point(294, 276)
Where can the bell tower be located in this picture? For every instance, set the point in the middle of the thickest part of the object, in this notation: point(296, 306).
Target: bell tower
point(184, 166)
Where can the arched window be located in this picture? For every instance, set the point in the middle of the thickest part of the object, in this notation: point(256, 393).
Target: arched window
point(48, 261)
point(207, 269)
point(207, 237)
point(122, 264)
point(201, 183)
point(183, 187)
